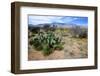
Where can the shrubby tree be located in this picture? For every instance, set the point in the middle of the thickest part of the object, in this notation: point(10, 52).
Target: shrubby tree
point(79, 32)
point(46, 27)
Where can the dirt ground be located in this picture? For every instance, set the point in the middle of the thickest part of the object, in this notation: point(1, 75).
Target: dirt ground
point(73, 48)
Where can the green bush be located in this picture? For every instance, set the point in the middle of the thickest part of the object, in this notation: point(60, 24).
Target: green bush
point(46, 42)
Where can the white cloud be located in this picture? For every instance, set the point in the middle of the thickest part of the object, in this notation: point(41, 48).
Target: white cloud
point(36, 19)
point(43, 19)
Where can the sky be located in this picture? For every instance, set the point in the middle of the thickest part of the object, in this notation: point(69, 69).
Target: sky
point(39, 19)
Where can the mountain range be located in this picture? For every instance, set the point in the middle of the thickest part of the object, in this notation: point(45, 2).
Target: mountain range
point(58, 25)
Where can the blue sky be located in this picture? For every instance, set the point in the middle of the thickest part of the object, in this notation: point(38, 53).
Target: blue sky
point(35, 19)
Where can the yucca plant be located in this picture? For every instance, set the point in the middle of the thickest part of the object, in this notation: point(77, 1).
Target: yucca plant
point(46, 42)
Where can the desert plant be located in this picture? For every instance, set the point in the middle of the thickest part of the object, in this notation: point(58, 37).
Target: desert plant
point(47, 42)
point(79, 32)
point(46, 27)
point(83, 33)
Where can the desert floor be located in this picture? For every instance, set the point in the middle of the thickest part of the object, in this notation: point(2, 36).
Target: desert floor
point(74, 48)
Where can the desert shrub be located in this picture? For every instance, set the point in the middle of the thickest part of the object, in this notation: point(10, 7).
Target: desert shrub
point(34, 29)
point(53, 28)
point(83, 33)
point(46, 42)
point(79, 32)
point(46, 27)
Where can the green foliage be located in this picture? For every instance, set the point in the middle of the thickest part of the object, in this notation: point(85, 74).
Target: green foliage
point(46, 42)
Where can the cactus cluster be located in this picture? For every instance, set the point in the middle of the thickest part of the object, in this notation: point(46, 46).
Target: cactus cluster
point(46, 42)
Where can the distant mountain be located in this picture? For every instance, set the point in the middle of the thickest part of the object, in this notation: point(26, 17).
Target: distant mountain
point(58, 25)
